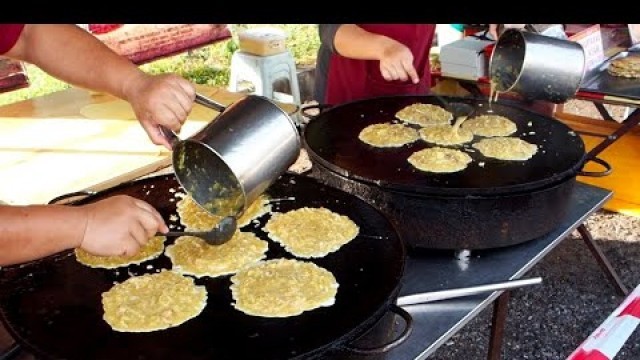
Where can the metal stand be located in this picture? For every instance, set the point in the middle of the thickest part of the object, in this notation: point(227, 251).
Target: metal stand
point(501, 304)
point(602, 260)
point(500, 309)
point(12, 352)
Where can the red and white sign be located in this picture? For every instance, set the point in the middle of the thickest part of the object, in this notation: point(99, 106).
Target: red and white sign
point(591, 41)
point(143, 43)
point(605, 342)
point(634, 33)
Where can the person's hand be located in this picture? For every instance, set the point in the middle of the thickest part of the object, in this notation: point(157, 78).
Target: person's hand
point(396, 63)
point(120, 225)
point(157, 100)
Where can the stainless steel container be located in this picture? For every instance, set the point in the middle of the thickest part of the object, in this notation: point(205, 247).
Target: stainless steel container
point(237, 156)
point(536, 66)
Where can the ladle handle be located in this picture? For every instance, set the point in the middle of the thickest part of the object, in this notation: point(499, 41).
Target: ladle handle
point(208, 102)
point(169, 135)
point(426, 297)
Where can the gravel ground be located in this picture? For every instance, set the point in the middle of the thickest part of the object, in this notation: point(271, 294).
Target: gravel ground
point(551, 321)
point(572, 301)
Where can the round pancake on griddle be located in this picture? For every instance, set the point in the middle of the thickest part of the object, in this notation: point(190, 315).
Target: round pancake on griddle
point(490, 125)
point(388, 135)
point(445, 135)
point(424, 115)
point(153, 302)
point(151, 250)
point(191, 255)
point(628, 67)
point(311, 232)
point(439, 160)
point(282, 287)
point(506, 148)
point(196, 218)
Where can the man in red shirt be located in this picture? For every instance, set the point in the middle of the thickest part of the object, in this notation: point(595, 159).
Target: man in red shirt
point(357, 61)
point(119, 225)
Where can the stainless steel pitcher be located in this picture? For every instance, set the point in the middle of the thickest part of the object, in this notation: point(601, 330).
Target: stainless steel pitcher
point(232, 160)
point(536, 66)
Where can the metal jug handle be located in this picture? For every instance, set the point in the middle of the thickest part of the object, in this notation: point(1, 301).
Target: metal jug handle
point(169, 135)
point(172, 137)
point(208, 102)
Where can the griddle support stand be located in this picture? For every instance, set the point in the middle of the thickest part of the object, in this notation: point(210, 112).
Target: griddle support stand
point(602, 260)
point(603, 111)
point(12, 352)
point(628, 124)
point(500, 309)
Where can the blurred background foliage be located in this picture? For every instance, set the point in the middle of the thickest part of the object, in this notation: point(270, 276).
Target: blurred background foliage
point(207, 65)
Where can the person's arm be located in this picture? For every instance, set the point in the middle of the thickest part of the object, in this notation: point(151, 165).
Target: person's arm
point(118, 225)
point(69, 53)
point(396, 60)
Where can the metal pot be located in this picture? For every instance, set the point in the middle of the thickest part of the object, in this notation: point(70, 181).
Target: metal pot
point(462, 222)
point(233, 159)
point(489, 204)
point(536, 66)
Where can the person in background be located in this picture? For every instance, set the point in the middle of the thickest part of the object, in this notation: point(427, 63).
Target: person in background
point(357, 61)
point(119, 225)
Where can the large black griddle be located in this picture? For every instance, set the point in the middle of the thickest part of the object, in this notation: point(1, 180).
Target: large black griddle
point(332, 140)
point(52, 306)
point(599, 80)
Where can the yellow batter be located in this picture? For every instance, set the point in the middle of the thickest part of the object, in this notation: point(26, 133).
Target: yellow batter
point(195, 218)
point(439, 160)
point(388, 135)
point(490, 125)
point(628, 67)
point(311, 232)
point(425, 115)
point(445, 135)
point(153, 302)
point(151, 250)
point(282, 288)
point(506, 148)
point(193, 256)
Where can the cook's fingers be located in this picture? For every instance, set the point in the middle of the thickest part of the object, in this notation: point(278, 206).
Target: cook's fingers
point(410, 71)
point(152, 220)
point(402, 74)
point(170, 116)
point(156, 135)
point(183, 100)
point(385, 74)
point(150, 224)
point(187, 88)
point(138, 233)
point(129, 248)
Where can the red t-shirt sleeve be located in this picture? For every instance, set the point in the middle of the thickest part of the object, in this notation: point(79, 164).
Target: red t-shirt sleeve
point(9, 34)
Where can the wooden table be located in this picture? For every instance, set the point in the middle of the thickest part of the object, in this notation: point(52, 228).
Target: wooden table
point(57, 144)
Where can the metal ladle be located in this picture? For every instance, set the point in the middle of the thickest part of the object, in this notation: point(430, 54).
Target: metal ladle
point(218, 235)
point(459, 110)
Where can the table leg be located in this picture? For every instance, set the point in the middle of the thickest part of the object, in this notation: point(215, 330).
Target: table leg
point(12, 352)
point(602, 260)
point(603, 111)
point(497, 326)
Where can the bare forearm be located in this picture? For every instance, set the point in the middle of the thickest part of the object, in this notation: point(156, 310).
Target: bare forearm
point(71, 54)
point(356, 43)
point(32, 232)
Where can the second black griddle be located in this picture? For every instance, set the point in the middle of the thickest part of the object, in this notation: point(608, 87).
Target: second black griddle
point(599, 80)
point(332, 139)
